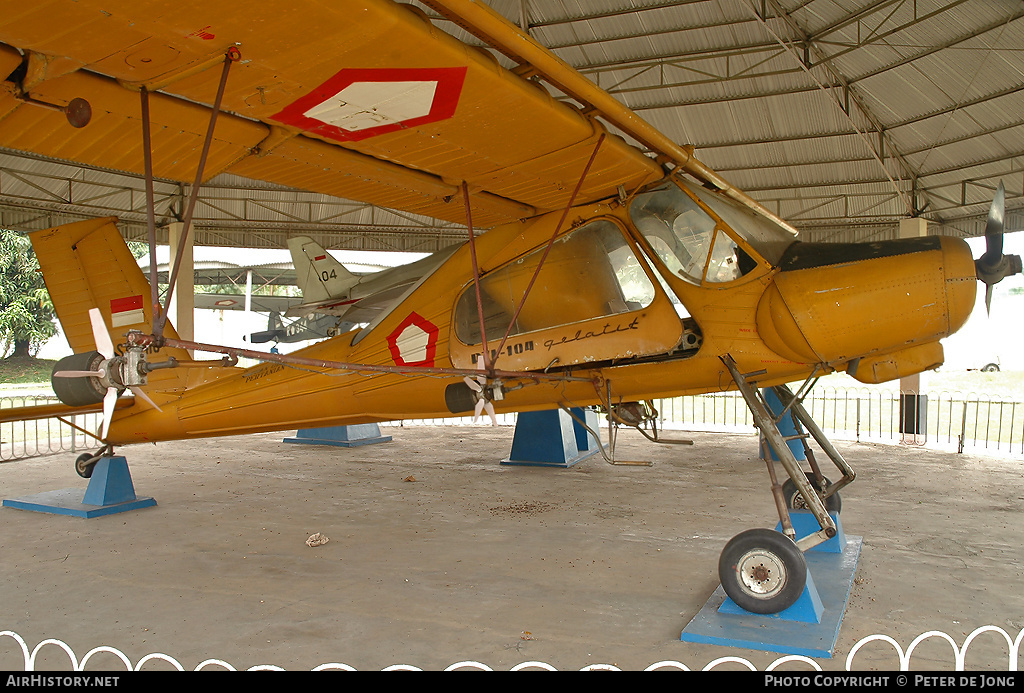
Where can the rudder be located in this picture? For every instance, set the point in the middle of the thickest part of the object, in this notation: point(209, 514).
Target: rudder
point(87, 265)
point(320, 277)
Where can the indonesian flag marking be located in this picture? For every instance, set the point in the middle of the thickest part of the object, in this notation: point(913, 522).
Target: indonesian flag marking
point(359, 103)
point(414, 342)
point(126, 311)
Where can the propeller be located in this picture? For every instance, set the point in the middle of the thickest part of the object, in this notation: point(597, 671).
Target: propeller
point(992, 267)
point(484, 392)
point(109, 372)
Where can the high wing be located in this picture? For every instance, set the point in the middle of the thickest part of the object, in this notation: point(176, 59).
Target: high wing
point(364, 100)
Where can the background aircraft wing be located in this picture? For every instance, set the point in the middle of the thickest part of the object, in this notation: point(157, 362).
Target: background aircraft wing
point(354, 310)
point(258, 303)
point(364, 100)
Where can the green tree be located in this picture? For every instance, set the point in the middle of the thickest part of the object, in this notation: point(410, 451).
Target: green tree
point(26, 313)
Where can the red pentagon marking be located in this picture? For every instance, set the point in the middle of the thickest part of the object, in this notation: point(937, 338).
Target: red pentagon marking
point(358, 103)
point(414, 342)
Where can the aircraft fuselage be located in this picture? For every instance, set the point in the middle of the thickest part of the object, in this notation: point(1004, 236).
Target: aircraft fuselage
point(636, 299)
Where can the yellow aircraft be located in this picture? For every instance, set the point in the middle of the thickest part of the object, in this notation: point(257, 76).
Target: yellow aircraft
point(607, 277)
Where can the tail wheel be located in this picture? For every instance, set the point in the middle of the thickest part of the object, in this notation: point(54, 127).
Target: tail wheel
point(763, 571)
point(83, 465)
point(795, 501)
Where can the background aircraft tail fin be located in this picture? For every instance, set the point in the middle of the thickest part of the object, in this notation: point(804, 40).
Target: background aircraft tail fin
point(319, 276)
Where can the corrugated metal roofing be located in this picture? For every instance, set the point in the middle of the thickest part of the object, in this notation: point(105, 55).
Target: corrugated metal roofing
point(836, 115)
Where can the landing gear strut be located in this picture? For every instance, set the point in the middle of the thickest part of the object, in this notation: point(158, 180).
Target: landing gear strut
point(762, 570)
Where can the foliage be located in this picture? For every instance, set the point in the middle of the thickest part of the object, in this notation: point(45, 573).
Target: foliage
point(26, 313)
point(25, 370)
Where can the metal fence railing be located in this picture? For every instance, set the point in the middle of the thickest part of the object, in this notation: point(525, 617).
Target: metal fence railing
point(944, 419)
point(21, 439)
point(948, 420)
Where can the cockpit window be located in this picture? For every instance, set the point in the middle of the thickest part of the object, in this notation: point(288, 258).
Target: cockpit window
point(685, 237)
point(588, 273)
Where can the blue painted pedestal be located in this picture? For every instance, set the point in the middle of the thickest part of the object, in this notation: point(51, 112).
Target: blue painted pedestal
point(787, 427)
point(552, 438)
point(340, 436)
point(110, 491)
point(811, 626)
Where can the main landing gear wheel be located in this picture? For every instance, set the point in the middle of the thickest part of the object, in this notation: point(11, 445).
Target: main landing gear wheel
point(795, 501)
point(84, 466)
point(763, 571)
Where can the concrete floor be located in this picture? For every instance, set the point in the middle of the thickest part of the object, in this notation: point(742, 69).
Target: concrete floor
point(438, 555)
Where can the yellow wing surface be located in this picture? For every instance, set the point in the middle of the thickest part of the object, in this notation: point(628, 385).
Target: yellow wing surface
point(360, 99)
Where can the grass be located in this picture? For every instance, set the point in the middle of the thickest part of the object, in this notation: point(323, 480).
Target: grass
point(1002, 385)
point(25, 370)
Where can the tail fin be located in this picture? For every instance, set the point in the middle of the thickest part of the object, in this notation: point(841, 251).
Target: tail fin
point(320, 276)
point(274, 322)
point(88, 265)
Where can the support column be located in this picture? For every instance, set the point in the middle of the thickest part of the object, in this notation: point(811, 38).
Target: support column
point(184, 299)
point(913, 423)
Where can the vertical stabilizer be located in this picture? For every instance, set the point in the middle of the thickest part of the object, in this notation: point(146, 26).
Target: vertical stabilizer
point(319, 276)
point(88, 265)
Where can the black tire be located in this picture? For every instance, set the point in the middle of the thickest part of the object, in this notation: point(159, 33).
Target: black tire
point(990, 368)
point(795, 501)
point(85, 470)
point(763, 571)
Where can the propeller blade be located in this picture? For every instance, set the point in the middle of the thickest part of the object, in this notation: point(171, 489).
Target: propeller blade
point(992, 267)
point(994, 227)
point(100, 335)
point(140, 393)
point(472, 384)
point(109, 400)
point(79, 374)
point(483, 405)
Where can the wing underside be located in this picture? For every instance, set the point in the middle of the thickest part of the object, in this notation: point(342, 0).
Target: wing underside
point(361, 100)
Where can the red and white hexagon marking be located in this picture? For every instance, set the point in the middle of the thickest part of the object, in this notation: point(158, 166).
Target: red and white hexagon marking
point(356, 104)
point(414, 342)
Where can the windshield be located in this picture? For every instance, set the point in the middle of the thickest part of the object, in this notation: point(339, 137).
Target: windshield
point(765, 236)
point(685, 237)
point(692, 244)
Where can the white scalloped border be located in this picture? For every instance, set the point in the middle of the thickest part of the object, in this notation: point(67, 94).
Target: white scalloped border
point(959, 655)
